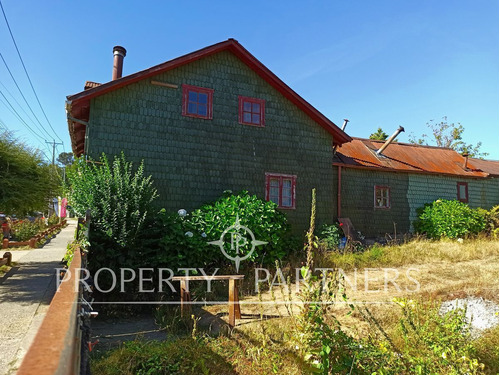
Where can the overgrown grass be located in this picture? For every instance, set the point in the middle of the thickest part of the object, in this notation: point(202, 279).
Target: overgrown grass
point(264, 351)
point(414, 252)
point(408, 337)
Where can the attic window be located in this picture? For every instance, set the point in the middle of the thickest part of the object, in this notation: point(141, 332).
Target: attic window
point(197, 101)
point(251, 111)
point(463, 192)
point(382, 197)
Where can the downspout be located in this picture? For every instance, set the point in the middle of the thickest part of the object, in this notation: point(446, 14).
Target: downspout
point(339, 190)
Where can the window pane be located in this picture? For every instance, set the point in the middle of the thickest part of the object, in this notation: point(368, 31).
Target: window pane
point(287, 183)
point(256, 108)
point(247, 117)
point(192, 108)
point(202, 98)
point(287, 202)
point(247, 106)
point(202, 109)
point(256, 119)
point(193, 96)
point(461, 189)
point(274, 182)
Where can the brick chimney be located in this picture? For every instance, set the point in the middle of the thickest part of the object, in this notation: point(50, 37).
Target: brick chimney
point(118, 55)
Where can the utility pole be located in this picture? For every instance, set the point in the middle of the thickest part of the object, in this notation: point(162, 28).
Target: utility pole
point(54, 144)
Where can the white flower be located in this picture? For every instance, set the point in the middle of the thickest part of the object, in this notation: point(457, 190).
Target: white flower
point(189, 234)
point(460, 240)
point(204, 235)
point(182, 212)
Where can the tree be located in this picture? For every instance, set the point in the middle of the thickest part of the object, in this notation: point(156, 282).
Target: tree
point(449, 136)
point(26, 180)
point(379, 135)
point(65, 158)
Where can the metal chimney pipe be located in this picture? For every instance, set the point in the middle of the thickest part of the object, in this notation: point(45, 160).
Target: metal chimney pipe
point(343, 129)
point(345, 124)
point(118, 55)
point(466, 156)
point(389, 141)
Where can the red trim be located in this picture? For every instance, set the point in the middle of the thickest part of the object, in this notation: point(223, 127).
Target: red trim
point(261, 112)
point(82, 99)
point(199, 90)
point(281, 178)
point(466, 199)
point(377, 187)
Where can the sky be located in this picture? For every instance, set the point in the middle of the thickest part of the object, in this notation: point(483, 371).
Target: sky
point(380, 63)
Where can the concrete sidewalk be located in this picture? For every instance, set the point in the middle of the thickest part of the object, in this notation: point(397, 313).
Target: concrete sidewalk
point(25, 297)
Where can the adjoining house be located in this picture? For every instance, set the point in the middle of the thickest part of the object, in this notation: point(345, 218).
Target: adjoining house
point(213, 120)
point(381, 192)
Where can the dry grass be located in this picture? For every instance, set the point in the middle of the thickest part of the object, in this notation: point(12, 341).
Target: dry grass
point(418, 251)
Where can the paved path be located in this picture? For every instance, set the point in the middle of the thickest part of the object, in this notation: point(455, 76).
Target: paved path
point(25, 296)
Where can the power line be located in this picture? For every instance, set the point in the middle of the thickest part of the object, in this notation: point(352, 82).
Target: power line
point(13, 111)
point(20, 91)
point(26, 113)
point(26, 71)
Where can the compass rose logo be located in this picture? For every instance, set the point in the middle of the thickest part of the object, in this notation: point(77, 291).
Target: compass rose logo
point(239, 237)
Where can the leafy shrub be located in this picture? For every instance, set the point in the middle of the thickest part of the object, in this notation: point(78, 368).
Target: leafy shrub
point(187, 236)
point(491, 220)
point(53, 220)
point(23, 230)
point(120, 201)
point(449, 218)
point(330, 236)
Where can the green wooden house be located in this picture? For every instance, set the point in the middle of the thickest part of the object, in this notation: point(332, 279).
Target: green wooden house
point(213, 120)
point(217, 119)
point(381, 193)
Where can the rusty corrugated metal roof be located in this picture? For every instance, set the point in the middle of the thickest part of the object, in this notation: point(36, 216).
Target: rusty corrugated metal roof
point(91, 85)
point(488, 166)
point(405, 157)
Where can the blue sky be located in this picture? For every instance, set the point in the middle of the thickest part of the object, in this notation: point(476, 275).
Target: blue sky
point(377, 63)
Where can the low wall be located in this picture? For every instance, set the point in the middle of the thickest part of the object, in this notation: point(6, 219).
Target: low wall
point(56, 348)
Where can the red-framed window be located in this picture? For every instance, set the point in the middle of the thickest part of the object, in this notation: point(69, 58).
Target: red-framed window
point(382, 197)
point(280, 189)
point(251, 111)
point(197, 101)
point(463, 192)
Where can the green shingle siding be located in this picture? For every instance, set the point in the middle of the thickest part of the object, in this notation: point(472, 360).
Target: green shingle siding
point(408, 193)
point(358, 205)
point(194, 160)
point(427, 188)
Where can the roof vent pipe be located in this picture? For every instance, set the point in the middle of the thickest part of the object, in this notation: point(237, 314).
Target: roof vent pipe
point(343, 129)
point(466, 157)
point(118, 55)
point(389, 141)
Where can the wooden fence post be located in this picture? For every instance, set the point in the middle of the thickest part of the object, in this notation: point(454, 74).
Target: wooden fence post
point(5, 243)
point(8, 255)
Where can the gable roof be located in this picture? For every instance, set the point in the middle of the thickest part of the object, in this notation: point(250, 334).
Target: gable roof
point(78, 105)
point(411, 158)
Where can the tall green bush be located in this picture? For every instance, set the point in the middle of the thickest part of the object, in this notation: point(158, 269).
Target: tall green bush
point(26, 178)
point(120, 201)
point(449, 218)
